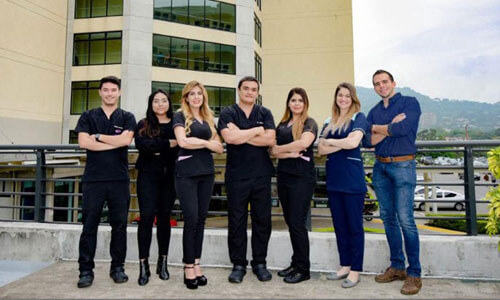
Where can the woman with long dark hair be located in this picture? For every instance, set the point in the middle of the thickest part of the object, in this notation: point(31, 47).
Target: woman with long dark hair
point(295, 135)
point(197, 138)
point(345, 180)
point(155, 140)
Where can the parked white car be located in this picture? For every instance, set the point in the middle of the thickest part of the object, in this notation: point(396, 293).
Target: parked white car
point(447, 195)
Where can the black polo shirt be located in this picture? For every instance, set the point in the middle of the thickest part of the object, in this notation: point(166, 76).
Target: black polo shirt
point(300, 166)
point(194, 162)
point(245, 160)
point(109, 165)
point(155, 153)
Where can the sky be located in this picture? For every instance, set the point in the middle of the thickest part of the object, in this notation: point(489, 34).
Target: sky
point(440, 48)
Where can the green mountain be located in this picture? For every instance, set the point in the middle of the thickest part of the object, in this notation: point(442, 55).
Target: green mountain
point(443, 113)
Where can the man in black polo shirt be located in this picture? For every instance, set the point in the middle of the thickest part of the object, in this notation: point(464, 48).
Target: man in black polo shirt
point(105, 132)
point(248, 130)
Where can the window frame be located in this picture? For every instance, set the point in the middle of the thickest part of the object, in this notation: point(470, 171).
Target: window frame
point(89, 40)
point(90, 11)
point(188, 53)
point(204, 22)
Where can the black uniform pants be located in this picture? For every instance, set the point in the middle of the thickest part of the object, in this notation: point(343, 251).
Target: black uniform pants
point(156, 195)
point(194, 195)
point(257, 192)
point(295, 194)
point(117, 196)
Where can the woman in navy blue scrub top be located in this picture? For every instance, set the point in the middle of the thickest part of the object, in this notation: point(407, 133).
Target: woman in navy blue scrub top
point(345, 180)
point(155, 140)
point(295, 135)
point(197, 138)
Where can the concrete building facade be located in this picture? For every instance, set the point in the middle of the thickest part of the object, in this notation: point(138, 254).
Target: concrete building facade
point(56, 53)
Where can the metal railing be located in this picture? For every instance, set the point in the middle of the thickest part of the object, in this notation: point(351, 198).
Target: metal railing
point(28, 174)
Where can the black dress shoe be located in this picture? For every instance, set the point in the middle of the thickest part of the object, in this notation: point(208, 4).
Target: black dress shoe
point(144, 272)
point(237, 274)
point(191, 284)
point(297, 277)
point(262, 273)
point(286, 272)
point(118, 275)
point(86, 279)
point(161, 268)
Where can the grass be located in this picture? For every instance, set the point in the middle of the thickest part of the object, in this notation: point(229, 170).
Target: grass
point(458, 225)
point(330, 229)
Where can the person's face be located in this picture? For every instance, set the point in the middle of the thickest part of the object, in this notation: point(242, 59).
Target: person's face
point(296, 104)
point(343, 100)
point(195, 97)
point(248, 92)
point(109, 93)
point(383, 85)
point(160, 104)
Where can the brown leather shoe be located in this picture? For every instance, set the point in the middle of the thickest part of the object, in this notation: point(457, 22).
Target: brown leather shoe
point(391, 274)
point(411, 286)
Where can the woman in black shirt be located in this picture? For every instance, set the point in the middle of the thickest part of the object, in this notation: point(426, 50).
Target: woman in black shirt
point(295, 135)
point(197, 138)
point(155, 140)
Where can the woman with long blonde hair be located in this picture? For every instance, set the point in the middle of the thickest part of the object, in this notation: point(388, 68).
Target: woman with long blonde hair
point(295, 135)
point(197, 138)
point(345, 180)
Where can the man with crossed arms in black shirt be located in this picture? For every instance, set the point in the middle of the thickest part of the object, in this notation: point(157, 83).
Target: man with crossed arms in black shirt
point(248, 130)
point(105, 132)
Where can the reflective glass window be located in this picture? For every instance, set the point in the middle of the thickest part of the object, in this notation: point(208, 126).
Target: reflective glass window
point(196, 55)
point(197, 12)
point(212, 57)
point(178, 51)
point(180, 11)
point(228, 17)
point(228, 59)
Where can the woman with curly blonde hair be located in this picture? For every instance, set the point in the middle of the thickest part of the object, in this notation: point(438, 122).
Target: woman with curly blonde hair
point(197, 138)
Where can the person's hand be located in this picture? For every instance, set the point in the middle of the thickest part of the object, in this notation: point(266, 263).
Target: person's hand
point(275, 150)
point(92, 137)
point(295, 154)
point(399, 118)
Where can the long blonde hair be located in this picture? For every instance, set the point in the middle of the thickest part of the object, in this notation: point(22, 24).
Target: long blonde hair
point(205, 112)
point(297, 126)
point(354, 108)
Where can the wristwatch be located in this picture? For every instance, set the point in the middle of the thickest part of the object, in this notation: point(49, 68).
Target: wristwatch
point(97, 136)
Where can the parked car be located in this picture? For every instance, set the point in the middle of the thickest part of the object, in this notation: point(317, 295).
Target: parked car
point(447, 195)
point(477, 176)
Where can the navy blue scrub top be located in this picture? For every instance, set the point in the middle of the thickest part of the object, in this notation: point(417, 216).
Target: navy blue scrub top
point(247, 161)
point(109, 165)
point(155, 153)
point(344, 168)
point(194, 162)
point(297, 166)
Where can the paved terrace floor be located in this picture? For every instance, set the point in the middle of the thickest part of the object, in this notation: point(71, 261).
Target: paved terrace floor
point(58, 281)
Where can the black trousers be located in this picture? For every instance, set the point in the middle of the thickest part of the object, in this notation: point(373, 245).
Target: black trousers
point(117, 196)
point(295, 194)
point(156, 195)
point(257, 192)
point(194, 195)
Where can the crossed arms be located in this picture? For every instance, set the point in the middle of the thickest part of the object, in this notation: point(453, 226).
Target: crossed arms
point(106, 142)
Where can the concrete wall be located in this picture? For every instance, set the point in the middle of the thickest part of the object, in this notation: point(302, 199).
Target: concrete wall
point(445, 256)
point(32, 55)
point(308, 44)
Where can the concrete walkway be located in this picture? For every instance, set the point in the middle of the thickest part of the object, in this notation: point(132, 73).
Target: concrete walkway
point(58, 281)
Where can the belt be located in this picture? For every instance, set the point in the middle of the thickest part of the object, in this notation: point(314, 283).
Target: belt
point(395, 158)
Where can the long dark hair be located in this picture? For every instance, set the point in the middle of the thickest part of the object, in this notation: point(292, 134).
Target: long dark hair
point(298, 126)
point(151, 123)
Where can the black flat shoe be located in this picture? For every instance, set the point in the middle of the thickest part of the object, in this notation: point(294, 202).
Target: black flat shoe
point(262, 273)
point(202, 280)
point(161, 268)
point(86, 279)
point(286, 272)
point(118, 275)
point(297, 277)
point(191, 284)
point(237, 274)
point(144, 272)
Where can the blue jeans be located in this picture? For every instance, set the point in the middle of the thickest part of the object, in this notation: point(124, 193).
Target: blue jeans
point(394, 184)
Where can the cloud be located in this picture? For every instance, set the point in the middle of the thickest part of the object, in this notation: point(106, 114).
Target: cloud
point(445, 49)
